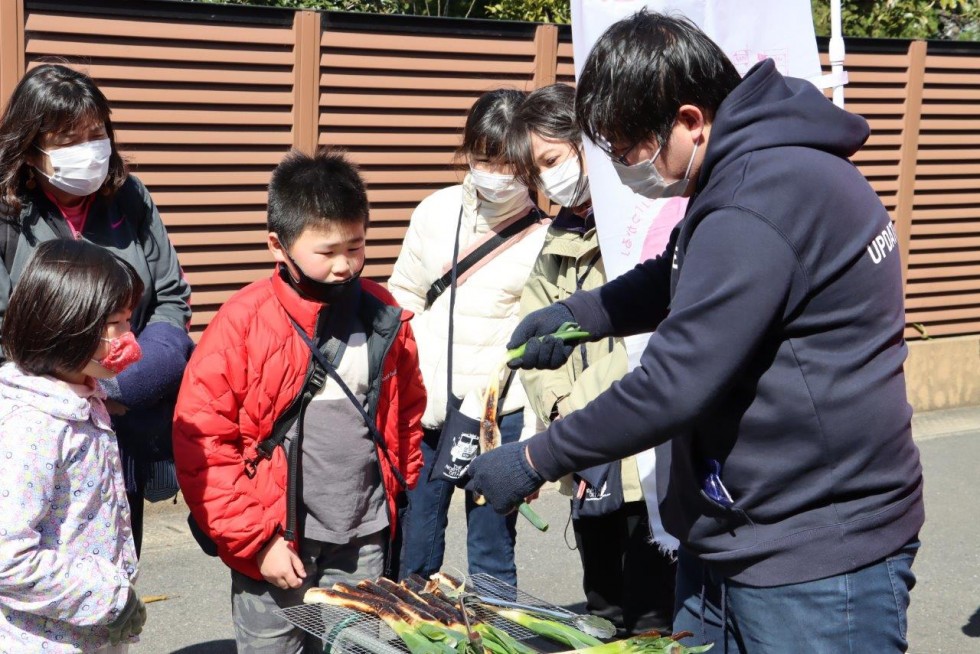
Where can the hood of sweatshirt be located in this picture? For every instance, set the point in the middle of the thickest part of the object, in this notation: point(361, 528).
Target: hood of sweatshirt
point(768, 110)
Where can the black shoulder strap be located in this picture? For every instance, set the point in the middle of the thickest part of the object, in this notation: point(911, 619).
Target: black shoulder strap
point(338, 327)
point(320, 358)
point(486, 249)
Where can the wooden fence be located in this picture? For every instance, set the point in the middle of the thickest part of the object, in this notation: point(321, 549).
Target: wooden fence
point(207, 98)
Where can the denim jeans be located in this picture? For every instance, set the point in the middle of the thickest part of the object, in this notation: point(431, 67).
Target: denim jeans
point(490, 537)
point(852, 613)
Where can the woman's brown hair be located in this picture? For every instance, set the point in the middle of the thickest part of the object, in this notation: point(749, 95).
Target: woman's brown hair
point(50, 99)
point(548, 112)
point(59, 309)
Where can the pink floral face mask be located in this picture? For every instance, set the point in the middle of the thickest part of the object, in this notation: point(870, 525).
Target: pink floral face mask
point(123, 352)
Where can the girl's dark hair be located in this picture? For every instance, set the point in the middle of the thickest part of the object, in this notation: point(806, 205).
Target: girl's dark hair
point(485, 133)
point(548, 112)
point(59, 309)
point(640, 72)
point(314, 192)
point(50, 99)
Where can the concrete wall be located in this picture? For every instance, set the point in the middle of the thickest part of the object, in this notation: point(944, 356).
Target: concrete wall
point(943, 373)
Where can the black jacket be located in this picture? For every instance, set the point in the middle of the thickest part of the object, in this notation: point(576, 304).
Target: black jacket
point(781, 356)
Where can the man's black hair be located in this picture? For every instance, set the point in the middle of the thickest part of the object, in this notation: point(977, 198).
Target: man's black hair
point(315, 192)
point(60, 307)
point(640, 72)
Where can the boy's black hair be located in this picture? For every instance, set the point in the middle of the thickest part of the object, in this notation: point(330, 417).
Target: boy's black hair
point(50, 99)
point(548, 112)
point(58, 311)
point(485, 131)
point(314, 192)
point(640, 72)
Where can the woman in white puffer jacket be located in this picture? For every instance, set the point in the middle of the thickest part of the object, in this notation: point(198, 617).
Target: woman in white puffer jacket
point(486, 311)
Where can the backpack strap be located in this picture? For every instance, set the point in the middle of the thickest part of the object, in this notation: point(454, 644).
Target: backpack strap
point(320, 358)
point(338, 327)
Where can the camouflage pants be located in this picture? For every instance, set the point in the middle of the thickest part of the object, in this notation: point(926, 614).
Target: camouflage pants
point(260, 631)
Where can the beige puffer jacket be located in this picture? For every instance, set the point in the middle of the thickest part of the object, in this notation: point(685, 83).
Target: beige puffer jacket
point(487, 302)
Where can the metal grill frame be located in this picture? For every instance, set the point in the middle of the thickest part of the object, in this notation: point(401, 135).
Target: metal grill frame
point(345, 631)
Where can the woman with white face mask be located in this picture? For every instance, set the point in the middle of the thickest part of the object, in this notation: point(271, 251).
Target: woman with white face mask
point(61, 177)
point(626, 578)
point(454, 221)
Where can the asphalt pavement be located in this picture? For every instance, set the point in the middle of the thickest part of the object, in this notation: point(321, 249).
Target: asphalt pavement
point(189, 611)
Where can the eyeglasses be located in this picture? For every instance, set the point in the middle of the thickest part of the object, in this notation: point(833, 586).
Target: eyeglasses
point(610, 152)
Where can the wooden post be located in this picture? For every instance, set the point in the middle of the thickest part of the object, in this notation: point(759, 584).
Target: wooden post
point(11, 46)
point(306, 81)
point(545, 73)
point(908, 155)
point(545, 55)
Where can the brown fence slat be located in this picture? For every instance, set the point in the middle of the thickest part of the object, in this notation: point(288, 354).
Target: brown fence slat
point(133, 138)
point(468, 66)
point(106, 49)
point(202, 74)
point(377, 80)
point(412, 44)
point(196, 96)
point(154, 29)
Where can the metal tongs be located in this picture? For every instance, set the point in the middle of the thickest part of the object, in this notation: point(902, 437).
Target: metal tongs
point(476, 641)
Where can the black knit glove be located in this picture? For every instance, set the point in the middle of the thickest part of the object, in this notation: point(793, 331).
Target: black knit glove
point(130, 620)
point(503, 476)
point(542, 350)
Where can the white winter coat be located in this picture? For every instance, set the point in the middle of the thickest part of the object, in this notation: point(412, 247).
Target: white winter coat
point(487, 303)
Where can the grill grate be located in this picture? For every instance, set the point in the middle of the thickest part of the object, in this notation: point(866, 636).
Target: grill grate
point(345, 631)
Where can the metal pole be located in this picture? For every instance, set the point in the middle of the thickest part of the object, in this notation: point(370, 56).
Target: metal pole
point(836, 52)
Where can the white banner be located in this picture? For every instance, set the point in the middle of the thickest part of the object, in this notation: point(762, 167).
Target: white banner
point(632, 228)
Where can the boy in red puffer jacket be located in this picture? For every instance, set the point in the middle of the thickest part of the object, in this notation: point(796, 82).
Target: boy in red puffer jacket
point(276, 459)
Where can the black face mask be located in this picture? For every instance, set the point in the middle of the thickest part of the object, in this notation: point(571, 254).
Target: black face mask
point(311, 289)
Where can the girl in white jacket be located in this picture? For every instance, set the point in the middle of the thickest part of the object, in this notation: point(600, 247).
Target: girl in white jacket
point(486, 311)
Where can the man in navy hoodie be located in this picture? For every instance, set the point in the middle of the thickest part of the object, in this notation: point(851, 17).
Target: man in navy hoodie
point(795, 487)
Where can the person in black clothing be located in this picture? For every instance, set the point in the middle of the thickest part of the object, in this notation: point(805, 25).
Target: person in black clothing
point(795, 487)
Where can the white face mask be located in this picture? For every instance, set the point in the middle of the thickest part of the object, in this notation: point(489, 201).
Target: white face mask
point(644, 179)
point(79, 169)
point(565, 184)
point(496, 188)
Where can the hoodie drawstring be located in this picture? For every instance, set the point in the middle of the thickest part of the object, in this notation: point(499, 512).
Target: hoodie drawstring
point(724, 615)
point(704, 603)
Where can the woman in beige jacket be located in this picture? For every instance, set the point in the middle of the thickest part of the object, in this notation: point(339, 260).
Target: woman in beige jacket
point(626, 577)
point(485, 313)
